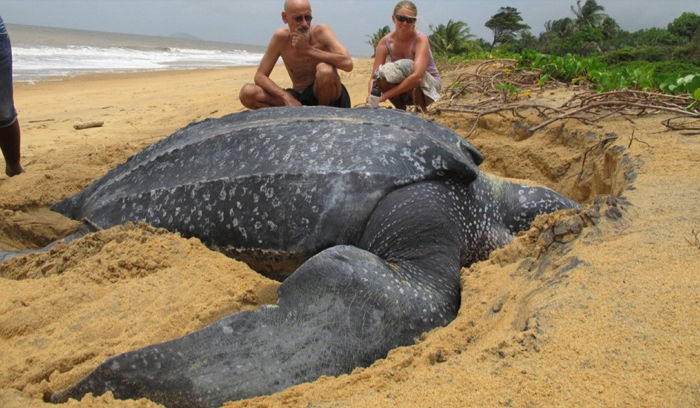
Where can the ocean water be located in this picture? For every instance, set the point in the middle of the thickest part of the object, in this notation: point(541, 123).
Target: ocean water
point(40, 53)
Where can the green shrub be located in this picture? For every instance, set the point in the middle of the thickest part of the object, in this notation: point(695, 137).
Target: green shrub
point(668, 76)
point(661, 69)
point(651, 53)
point(687, 84)
point(689, 53)
point(567, 68)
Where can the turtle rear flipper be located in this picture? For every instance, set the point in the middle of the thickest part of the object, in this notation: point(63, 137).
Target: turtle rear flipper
point(342, 309)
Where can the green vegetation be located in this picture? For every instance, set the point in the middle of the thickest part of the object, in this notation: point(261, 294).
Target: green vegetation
point(586, 47)
point(452, 38)
point(376, 37)
point(672, 78)
point(508, 90)
point(506, 25)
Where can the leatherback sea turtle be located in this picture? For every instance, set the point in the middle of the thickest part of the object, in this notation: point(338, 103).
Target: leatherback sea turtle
point(369, 212)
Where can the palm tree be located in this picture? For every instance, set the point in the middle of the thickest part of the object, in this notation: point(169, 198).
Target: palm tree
point(450, 38)
point(562, 27)
point(588, 15)
point(374, 38)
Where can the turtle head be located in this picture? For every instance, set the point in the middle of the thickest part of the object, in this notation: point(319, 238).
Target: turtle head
point(521, 203)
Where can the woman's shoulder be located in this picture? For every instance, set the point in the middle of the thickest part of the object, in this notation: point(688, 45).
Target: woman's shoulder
point(421, 36)
point(385, 41)
point(421, 40)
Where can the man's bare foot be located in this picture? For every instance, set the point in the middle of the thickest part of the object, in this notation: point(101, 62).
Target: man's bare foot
point(13, 170)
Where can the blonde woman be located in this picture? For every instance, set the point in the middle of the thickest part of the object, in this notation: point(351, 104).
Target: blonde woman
point(404, 69)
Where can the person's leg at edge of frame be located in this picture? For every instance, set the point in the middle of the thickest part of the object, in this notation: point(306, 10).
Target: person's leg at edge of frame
point(327, 87)
point(10, 146)
point(9, 126)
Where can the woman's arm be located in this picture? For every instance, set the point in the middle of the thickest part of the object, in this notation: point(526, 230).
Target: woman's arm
point(420, 65)
point(380, 54)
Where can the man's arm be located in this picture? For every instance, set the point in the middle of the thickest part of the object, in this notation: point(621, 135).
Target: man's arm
point(329, 49)
point(267, 64)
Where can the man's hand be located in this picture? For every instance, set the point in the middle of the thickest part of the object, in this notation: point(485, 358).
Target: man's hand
point(289, 100)
point(300, 41)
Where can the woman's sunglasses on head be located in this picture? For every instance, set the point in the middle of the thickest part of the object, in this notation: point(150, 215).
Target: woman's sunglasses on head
point(405, 19)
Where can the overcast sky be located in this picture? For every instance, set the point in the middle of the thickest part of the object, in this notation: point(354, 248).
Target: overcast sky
point(252, 21)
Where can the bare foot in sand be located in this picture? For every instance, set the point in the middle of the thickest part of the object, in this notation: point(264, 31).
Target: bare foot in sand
point(13, 170)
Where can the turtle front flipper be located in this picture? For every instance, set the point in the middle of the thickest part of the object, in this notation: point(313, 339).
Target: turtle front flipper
point(343, 308)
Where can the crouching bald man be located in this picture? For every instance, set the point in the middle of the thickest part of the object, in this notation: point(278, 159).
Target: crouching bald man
point(312, 56)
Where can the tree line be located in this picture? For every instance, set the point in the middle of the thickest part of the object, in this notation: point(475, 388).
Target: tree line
point(588, 32)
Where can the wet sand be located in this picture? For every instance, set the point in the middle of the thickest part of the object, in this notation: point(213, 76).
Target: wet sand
point(598, 308)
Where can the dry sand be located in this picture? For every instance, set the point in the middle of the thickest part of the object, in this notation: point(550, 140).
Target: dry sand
point(593, 309)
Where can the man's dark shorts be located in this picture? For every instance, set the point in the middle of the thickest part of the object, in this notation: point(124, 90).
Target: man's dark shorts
point(309, 99)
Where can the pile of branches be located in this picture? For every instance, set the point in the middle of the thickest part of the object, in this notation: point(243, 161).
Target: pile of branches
point(497, 86)
point(491, 75)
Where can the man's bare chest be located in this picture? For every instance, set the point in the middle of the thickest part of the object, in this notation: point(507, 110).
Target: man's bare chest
point(299, 65)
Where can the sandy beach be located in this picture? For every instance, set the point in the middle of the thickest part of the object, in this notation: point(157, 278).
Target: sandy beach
point(596, 308)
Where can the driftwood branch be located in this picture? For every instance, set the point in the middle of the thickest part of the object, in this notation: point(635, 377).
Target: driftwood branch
point(588, 107)
point(87, 125)
point(514, 108)
point(673, 126)
point(606, 104)
point(632, 138)
point(604, 142)
point(486, 79)
point(695, 240)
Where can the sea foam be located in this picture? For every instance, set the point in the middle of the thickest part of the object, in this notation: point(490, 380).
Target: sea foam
point(32, 63)
point(46, 52)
